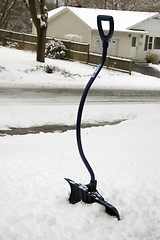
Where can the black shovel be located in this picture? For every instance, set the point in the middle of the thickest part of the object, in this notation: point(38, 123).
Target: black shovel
point(88, 193)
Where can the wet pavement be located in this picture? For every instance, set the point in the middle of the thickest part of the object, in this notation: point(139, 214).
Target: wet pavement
point(54, 128)
point(145, 69)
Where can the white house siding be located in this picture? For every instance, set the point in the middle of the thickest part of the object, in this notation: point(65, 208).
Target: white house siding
point(121, 42)
point(152, 26)
point(67, 23)
point(124, 44)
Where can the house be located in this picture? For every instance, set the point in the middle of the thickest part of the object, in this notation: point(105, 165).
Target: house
point(135, 33)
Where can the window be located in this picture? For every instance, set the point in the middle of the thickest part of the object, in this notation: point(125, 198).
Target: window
point(146, 43)
point(156, 43)
point(134, 41)
point(150, 43)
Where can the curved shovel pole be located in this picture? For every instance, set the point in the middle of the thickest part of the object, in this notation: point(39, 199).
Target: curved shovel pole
point(105, 40)
point(88, 193)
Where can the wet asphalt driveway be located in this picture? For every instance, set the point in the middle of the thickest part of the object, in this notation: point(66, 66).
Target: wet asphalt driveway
point(145, 69)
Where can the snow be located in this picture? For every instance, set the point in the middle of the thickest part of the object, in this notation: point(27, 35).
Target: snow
point(29, 73)
point(123, 20)
point(155, 66)
point(125, 157)
point(73, 37)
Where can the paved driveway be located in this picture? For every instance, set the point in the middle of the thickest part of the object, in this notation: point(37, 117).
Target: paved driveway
point(144, 68)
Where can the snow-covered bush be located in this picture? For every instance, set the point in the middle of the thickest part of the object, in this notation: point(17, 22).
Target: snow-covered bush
point(53, 69)
point(11, 44)
point(55, 49)
point(2, 68)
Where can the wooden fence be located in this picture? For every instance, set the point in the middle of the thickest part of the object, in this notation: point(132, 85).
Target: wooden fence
point(75, 51)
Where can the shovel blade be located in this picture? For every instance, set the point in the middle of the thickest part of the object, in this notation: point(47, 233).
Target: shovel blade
point(80, 192)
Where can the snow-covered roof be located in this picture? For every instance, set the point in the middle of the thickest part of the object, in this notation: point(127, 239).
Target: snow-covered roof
point(123, 20)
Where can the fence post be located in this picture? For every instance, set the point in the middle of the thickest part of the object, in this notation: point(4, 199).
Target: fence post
point(87, 54)
point(107, 62)
point(130, 67)
point(10, 35)
point(69, 47)
point(23, 39)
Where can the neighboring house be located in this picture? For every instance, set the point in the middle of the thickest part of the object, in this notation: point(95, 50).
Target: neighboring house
point(135, 33)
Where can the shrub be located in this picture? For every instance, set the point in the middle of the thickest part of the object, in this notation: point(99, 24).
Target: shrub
point(55, 49)
point(48, 69)
point(11, 44)
point(152, 58)
point(52, 69)
point(2, 68)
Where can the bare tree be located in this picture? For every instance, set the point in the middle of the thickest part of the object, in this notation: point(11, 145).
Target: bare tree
point(5, 10)
point(132, 5)
point(39, 15)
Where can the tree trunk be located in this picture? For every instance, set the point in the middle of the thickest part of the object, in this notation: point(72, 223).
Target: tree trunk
point(41, 41)
point(39, 14)
point(56, 3)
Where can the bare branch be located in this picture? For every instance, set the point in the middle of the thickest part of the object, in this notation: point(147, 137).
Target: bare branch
point(6, 9)
point(26, 4)
point(33, 11)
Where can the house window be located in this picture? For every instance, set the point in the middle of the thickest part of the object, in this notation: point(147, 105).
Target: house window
point(151, 43)
point(134, 41)
point(156, 43)
point(148, 43)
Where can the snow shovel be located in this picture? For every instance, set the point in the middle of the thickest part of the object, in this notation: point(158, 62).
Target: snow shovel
point(88, 193)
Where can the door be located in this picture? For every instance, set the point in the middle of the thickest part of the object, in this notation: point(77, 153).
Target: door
point(133, 51)
point(113, 47)
point(97, 45)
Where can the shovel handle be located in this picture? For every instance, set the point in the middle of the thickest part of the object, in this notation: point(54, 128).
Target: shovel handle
point(100, 18)
point(105, 39)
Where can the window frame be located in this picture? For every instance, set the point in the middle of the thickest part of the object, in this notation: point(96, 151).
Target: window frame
point(150, 43)
point(156, 43)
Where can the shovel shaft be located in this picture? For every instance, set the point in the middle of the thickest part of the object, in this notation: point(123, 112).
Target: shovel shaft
point(105, 40)
point(79, 118)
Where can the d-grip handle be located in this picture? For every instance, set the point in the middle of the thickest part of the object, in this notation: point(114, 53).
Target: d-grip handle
point(100, 18)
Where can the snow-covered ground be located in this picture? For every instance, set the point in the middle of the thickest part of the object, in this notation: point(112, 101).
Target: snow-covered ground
point(156, 66)
point(125, 158)
point(18, 68)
